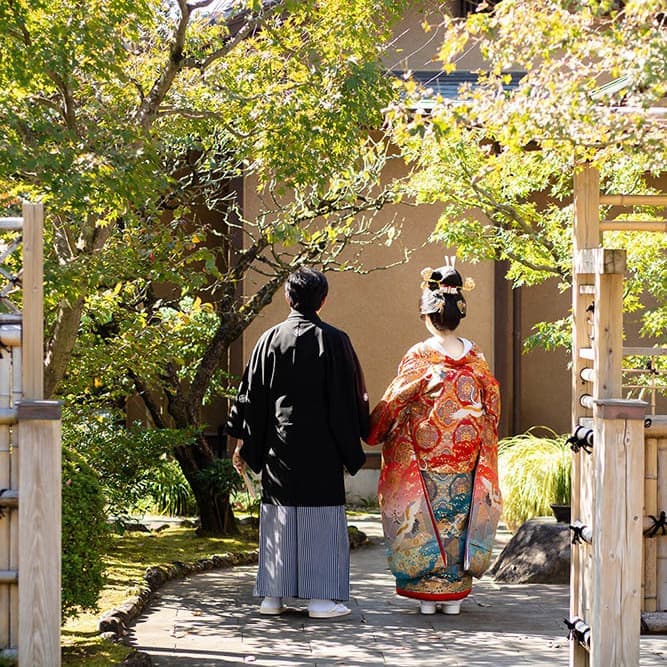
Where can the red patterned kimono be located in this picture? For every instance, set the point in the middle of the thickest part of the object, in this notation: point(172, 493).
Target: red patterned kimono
point(438, 488)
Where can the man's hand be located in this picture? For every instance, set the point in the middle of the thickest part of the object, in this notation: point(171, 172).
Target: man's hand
point(238, 463)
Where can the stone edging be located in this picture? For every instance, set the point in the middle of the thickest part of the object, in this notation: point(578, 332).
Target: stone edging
point(113, 624)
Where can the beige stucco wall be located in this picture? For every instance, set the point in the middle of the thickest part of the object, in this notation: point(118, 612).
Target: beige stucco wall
point(544, 385)
point(416, 48)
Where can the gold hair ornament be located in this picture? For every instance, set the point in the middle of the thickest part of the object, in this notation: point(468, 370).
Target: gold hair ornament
point(426, 275)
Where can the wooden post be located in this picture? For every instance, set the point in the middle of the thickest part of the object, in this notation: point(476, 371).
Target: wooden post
point(40, 538)
point(586, 235)
point(608, 347)
point(16, 395)
point(661, 564)
point(39, 525)
point(617, 543)
point(650, 508)
point(33, 302)
point(5, 476)
point(618, 475)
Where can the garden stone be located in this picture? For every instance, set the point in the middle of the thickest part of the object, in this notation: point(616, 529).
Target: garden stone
point(251, 521)
point(112, 624)
point(137, 659)
point(136, 527)
point(539, 553)
point(357, 537)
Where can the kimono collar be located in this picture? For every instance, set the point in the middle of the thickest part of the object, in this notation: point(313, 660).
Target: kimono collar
point(310, 317)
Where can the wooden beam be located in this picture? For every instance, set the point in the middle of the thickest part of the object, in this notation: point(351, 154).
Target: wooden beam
point(650, 583)
point(11, 224)
point(645, 351)
point(633, 200)
point(633, 226)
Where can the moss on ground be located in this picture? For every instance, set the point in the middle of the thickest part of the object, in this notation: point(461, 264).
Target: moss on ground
point(129, 557)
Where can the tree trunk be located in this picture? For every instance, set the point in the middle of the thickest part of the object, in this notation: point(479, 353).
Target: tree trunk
point(215, 509)
point(60, 346)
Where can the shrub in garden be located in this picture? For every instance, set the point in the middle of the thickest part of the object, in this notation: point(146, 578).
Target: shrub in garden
point(132, 462)
point(85, 535)
point(535, 472)
point(166, 491)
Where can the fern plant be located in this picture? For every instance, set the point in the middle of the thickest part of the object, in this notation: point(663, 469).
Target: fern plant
point(168, 492)
point(535, 472)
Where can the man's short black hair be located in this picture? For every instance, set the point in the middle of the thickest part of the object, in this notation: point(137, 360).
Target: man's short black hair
point(306, 289)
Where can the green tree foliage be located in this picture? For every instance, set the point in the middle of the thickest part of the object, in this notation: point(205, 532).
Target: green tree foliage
point(501, 159)
point(139, 124)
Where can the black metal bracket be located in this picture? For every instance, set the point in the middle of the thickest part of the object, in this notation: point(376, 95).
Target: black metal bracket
point(579, 631)
point(580, 533)
point(659, 523)
point(582, 438)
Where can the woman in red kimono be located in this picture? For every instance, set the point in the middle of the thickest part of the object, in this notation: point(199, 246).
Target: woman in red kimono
point(438, 488)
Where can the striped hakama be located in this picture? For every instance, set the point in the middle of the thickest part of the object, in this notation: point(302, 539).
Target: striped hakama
point(304, 552)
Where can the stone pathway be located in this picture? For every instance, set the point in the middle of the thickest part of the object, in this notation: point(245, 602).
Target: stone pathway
point(211, 620)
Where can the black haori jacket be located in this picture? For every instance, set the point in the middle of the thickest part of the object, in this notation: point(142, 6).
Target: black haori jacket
point(301, 411)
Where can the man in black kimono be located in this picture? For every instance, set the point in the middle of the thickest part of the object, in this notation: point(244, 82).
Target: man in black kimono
point(300, 413)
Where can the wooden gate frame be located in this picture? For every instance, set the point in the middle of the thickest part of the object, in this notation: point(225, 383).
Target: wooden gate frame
point(30, 465)
point(607, 485)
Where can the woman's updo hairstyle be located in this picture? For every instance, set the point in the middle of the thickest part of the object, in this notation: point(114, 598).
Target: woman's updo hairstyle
point(442, 299)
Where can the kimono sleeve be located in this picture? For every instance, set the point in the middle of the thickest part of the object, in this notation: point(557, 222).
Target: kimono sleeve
point(486, 503)
point(490, 396)
point(348, 400)
point(395, 403)
point(248, 416)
